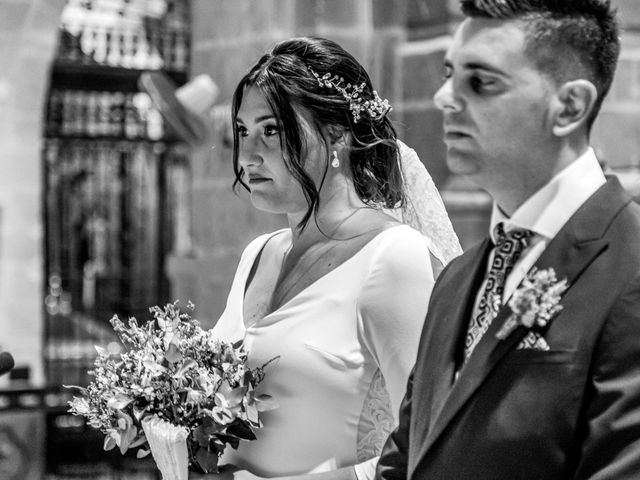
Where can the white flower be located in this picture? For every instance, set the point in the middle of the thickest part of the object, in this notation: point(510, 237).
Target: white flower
point(80, 406)
point(171, 368)
point(535, 301)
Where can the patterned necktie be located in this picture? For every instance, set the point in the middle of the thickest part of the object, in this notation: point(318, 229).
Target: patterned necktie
point(509, 247)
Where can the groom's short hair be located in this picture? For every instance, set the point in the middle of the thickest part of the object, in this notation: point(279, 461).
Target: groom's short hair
point(567, 39)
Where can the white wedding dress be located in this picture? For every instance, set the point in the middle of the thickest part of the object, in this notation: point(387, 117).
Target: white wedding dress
point(346, 345)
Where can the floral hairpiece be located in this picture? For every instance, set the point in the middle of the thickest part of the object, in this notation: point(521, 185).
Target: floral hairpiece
point(376, 107)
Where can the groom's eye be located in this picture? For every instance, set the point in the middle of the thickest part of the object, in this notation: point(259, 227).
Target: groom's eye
point(447, 72)
point(480, 84)
point(241, 130)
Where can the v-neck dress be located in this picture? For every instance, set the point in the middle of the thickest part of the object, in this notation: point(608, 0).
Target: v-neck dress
point(346, 345)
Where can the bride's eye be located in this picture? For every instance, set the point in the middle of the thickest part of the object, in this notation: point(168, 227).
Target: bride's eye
point(271, 130)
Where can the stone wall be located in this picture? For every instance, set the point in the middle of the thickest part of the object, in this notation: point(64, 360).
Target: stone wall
point(402, 44)
point(228, 37)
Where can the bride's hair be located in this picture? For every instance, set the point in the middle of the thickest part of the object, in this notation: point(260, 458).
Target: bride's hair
point(289, 78)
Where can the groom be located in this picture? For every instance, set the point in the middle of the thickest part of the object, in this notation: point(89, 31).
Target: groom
point(550, 388)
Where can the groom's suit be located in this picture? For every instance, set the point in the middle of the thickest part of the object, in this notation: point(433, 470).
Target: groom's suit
point(572, 412)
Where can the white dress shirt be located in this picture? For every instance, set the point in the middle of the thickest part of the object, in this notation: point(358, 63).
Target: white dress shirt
point(545, 213)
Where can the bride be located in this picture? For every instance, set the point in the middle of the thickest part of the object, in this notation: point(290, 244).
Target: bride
point(341, 295)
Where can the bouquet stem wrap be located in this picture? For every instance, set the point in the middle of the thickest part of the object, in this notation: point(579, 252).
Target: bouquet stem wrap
point(168, 445)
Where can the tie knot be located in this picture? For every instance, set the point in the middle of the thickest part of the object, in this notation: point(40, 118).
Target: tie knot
point(515, 235)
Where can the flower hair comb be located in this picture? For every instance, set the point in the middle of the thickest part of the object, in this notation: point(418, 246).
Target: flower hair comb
point(376, 107)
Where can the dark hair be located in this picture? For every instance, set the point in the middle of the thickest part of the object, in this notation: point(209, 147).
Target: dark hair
point(285, 78)
point(564, 37)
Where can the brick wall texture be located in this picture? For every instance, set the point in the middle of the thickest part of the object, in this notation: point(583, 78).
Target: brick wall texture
point(401, 43)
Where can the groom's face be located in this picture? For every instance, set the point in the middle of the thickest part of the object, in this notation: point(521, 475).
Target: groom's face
point(496, 104)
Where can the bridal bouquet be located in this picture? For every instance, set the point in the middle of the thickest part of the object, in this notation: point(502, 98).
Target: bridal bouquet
point(174, 382)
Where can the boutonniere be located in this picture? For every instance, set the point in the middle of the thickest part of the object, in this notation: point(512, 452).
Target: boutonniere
point(535, 301)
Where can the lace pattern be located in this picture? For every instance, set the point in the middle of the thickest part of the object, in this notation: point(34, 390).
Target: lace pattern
point(424, 209)
point(376, 419)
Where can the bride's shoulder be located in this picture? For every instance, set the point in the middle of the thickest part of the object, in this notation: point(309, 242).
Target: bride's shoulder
point(400, 244)
point(260, 242)
point(399, 235)
point(399, 260)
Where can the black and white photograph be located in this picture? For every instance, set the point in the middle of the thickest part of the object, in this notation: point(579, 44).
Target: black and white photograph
point(320, 240)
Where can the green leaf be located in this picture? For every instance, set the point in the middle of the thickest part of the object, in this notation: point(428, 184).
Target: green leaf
point(124, 420)
point(221, 440)
point(82, 390)
point(207, 460)
point(188, 364)
point(127, 438)
point(142, 453)
point(230, 397)
point(203, 432)
point(109, 443)
point(139, 413)
point(222, 416)
point(252, 414)
point(173, 353)
point(138, 441)
point(224, 388)
point(201, 436)
point(236, 395)
point(154, 367)
point(241, 430)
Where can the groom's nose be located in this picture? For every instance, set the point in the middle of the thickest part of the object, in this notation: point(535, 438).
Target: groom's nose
point(445, 98)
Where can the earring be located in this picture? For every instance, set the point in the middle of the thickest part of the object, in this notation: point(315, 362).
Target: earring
point(335, 163)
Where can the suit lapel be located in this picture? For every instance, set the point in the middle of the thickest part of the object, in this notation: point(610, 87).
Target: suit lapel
point(445, 345)
point(569, 254)
point(446, 323)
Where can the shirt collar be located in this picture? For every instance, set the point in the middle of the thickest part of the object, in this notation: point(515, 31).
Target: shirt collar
point(547, 210)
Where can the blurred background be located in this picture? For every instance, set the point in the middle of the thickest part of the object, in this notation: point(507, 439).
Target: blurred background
point(114, 198)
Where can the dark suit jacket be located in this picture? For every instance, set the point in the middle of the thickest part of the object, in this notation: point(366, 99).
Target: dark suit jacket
point(572, 412)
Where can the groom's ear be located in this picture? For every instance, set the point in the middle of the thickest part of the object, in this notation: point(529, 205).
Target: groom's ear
point(574, 103)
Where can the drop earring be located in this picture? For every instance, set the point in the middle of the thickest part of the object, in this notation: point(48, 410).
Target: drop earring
point(335, 163)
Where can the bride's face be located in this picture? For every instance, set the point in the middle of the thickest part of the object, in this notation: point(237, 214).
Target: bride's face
point(273, 188)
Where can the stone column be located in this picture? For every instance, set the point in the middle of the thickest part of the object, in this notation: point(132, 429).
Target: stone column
point(28, 38)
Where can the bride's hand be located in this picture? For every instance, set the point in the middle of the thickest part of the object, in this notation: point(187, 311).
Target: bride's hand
point(227, 472)
point(223, 475)
point(245, 475)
